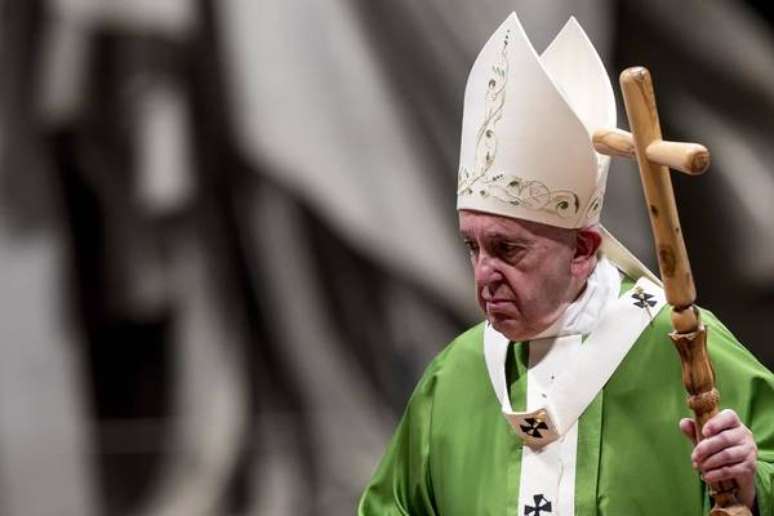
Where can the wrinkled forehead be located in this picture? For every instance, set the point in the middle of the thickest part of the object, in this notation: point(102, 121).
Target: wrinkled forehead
point(475, 224)
point(470, 220)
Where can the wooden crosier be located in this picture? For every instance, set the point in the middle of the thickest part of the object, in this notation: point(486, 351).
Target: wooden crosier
point(655, 157)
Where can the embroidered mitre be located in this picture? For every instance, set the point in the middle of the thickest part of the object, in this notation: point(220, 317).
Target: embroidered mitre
point(526, 148)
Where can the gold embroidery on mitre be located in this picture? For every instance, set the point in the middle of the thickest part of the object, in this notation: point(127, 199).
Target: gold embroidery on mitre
point(595, 206)
point(526, 193)
point(486, 139)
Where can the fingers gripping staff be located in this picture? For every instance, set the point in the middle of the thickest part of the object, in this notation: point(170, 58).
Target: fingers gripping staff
point(655, 157)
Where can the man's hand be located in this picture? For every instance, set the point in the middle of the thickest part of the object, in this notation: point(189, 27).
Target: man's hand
point(727, 451)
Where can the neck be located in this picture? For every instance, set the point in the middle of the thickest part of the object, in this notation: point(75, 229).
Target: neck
point(588, 303)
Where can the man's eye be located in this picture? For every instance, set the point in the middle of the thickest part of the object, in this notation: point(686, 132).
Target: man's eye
point(472, 247)
point(507, 249)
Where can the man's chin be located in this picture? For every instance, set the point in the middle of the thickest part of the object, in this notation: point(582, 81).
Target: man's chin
point(508, 326)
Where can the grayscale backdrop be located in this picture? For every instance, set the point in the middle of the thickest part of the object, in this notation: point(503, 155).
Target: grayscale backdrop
point(228, 241)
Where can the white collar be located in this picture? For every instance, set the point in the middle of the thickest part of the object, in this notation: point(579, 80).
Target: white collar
point(615, 332)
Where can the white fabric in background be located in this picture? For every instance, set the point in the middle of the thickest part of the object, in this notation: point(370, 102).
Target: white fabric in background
point(314, 110)
point(46, 454)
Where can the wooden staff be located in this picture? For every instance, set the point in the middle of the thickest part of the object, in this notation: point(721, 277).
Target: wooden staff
point(655, 157)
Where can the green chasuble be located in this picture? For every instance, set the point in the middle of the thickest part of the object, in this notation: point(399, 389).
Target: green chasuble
point(454, 454)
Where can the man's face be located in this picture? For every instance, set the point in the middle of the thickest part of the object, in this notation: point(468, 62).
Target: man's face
point(522, 269)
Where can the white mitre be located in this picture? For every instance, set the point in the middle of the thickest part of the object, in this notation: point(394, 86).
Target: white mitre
point(527, 122)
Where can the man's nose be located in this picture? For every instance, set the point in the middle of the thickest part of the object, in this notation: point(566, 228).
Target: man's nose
point(486, 271)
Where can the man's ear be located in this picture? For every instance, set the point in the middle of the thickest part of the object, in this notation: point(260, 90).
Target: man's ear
point(587, 242)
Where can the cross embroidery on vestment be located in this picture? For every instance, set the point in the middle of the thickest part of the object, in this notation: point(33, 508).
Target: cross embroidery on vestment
point(643, 299)
point(533, 427)
point(542, 506)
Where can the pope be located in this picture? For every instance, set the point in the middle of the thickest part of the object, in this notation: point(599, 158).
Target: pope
point(568, 398)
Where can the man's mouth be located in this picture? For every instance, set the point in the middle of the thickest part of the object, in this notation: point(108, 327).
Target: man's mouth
point(498, 304)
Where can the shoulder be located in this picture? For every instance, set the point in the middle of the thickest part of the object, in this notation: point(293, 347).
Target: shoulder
point(465, 354)
point(458, 367)
point(729, 357)
point(461, 353)
point(743, 382)
point(466, 348)
point(654, 357)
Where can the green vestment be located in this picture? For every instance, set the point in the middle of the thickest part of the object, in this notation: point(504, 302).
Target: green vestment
point(454, 454)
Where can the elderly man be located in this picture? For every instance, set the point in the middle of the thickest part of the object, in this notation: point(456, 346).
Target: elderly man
point(567, 399)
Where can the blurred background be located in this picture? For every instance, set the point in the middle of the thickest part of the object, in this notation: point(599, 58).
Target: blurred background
point(228, 239)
